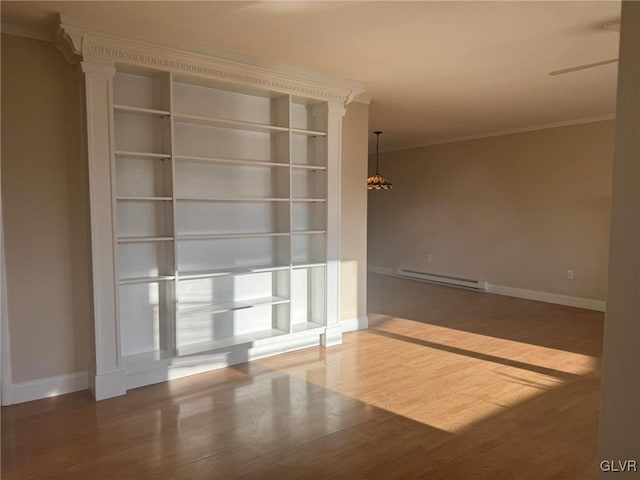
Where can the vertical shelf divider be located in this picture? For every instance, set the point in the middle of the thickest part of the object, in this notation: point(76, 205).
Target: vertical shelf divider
point(173, 308)
point(290, 148)
point(282, 117)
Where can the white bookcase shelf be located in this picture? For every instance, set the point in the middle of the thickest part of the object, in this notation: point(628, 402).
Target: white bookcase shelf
point(144, 239)
point(144, 199)
point(193, 275)
point(221, 122)
point(232, 161)
point(212, 199)
point(161, 278)
point(308, 265)
point(310, 133)
point(122, 153)
point(214, 205)
point(223, 236)
point(146, 111)
point(308, 167)
point(228, 307)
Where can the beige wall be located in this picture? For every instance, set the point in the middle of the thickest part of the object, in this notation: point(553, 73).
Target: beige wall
point(45, 212)
point(620, 410)
point(516, 210)
point(353, 233)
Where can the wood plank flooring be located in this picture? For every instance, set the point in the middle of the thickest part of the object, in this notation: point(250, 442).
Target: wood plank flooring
point(446, 384)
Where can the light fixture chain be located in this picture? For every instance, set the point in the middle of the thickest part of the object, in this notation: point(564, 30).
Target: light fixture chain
point(377, 152)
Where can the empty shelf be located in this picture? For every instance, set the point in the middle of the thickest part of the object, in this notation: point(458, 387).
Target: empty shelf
point(192, 275)
point(296, 266)
point(126, 153)
point(309, 232)
point(149, 111)
point(144, 199)
point(310, 133)
point(143, 239)
point(232, 161)
point(302, 166)
point(134, 280)
point(230, 235)
point(224, 123)
point(230, 199)
point(231, 306)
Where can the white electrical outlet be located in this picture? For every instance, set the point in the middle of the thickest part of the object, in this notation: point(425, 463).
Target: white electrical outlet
point(569, 274)
point(429, 258)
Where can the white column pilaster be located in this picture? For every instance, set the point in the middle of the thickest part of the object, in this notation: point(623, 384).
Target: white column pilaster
point(106, 378)
point(333, 330)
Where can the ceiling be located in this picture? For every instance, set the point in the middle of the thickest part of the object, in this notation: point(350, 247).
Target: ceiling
point(434, 70)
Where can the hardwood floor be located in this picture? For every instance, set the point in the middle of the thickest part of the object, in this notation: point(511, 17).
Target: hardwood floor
point(446, 384)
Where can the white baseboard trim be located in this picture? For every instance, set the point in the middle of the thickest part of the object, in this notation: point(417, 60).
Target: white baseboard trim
point(110, 384)
point(331, 336)
point(48, 387)
point(547, 297)
point(116, 383)
point(353, 324)
point(382, 270)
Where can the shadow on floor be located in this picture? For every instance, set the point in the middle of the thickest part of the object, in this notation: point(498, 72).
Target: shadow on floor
point(580, 330)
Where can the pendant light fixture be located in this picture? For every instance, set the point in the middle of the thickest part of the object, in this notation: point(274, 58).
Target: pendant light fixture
point(377, 181)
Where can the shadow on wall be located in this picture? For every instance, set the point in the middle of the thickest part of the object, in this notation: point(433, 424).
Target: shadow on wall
point(47, 226)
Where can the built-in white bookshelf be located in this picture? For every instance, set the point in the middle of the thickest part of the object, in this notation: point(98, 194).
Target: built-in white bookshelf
point(214, 198)
point(221, 214)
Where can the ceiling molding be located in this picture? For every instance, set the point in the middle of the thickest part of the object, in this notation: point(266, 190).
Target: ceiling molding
point(533, 128)
point(88, 44)
point(26, 32)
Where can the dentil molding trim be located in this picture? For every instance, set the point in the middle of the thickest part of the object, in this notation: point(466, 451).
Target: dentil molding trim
point(78, 42)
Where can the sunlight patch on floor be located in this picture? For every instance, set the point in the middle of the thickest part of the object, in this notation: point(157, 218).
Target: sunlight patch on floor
point(536, 355)
point(441, 377)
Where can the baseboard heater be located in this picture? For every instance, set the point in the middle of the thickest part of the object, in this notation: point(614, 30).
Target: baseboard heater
point(480, 285)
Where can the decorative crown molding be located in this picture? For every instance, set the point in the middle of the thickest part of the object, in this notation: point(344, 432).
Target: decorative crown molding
point(79, 43)
point(65, 44)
